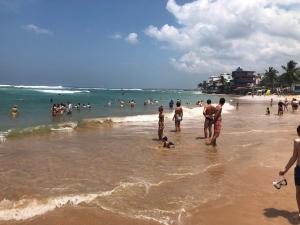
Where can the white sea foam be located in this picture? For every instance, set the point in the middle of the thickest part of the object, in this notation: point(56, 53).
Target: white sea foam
point(2, 137)
point(63, 129)
point(188, 113)
point(38, 87)
point(258, 131)
point(28, 208)
point(62, 91)
point(5, 85)
point(197, 93)
point(125, 89)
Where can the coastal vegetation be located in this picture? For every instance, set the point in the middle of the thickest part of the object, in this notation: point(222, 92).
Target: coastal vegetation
point(271, 79)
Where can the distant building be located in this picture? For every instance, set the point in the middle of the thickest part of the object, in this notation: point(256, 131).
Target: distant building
point(243, 79)
point(227, 77)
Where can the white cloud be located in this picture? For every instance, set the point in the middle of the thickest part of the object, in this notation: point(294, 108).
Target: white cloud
point(116, 36)
point(217, 35)
point(36, 29)
point(132, 38)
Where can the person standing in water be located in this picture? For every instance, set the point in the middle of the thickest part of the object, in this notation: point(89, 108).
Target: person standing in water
point(161, 122)
point(271, 102)
point(171, 104)
point(295, 157)
point(208, 113)
point(178, 116)
point(14, 111)
point(217, 122)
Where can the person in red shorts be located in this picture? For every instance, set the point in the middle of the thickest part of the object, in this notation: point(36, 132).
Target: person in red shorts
point(217, 122)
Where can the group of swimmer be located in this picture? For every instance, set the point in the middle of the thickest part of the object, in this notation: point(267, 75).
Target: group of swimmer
point(212, 115)
point(60, 109)
point(283, 106)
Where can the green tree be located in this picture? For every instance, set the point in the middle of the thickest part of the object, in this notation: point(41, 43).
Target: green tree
point(223, 83)
point(291, 73)
point(271, 77)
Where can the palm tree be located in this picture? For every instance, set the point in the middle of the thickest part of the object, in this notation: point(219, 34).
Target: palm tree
point(223, 83)
point(204, 84)
point(222, 80)
point(271, 76)
point(291, 73)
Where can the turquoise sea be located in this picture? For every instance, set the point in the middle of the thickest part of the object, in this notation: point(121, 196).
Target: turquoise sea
point(34, 103)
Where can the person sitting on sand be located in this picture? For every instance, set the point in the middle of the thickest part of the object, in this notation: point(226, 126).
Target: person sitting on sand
point(161, 124)
point(295, 157)
point(178, 116)
point(14, 111)
point(217, 122)
point(268, 111)
point(208, 113)
point(280, 108)
point(166, 143)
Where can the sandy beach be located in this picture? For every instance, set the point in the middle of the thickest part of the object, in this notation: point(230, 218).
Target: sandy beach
point(263, 98)
point(120, 175)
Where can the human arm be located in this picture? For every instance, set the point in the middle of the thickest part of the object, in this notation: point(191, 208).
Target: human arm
point(292, 159)
point(204, 111)
point(217, 114)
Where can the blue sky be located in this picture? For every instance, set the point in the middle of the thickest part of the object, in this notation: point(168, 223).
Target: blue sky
point(142, 43)
point(80, 48)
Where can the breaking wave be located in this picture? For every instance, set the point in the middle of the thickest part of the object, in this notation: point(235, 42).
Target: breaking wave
point(38, 87)
point(189, 114)
point(50, 91)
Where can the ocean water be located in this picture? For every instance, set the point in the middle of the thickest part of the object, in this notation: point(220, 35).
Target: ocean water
point(35, 107)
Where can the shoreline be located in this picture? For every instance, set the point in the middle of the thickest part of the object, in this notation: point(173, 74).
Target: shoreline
point(238, 173)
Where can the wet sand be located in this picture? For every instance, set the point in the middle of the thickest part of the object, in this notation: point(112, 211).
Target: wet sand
point(129, 179)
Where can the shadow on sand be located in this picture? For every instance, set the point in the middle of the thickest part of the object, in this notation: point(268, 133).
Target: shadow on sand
point(200, 138)
point(292, 217)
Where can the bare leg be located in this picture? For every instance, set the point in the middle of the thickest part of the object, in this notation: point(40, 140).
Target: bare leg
point(213, 141)
point(205, 132)
point(210, 131)
point(298, 197)
point(160, 133)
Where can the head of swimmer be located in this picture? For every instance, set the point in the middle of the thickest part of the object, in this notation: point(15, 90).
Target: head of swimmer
point(160, 109)
point(222, 101)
